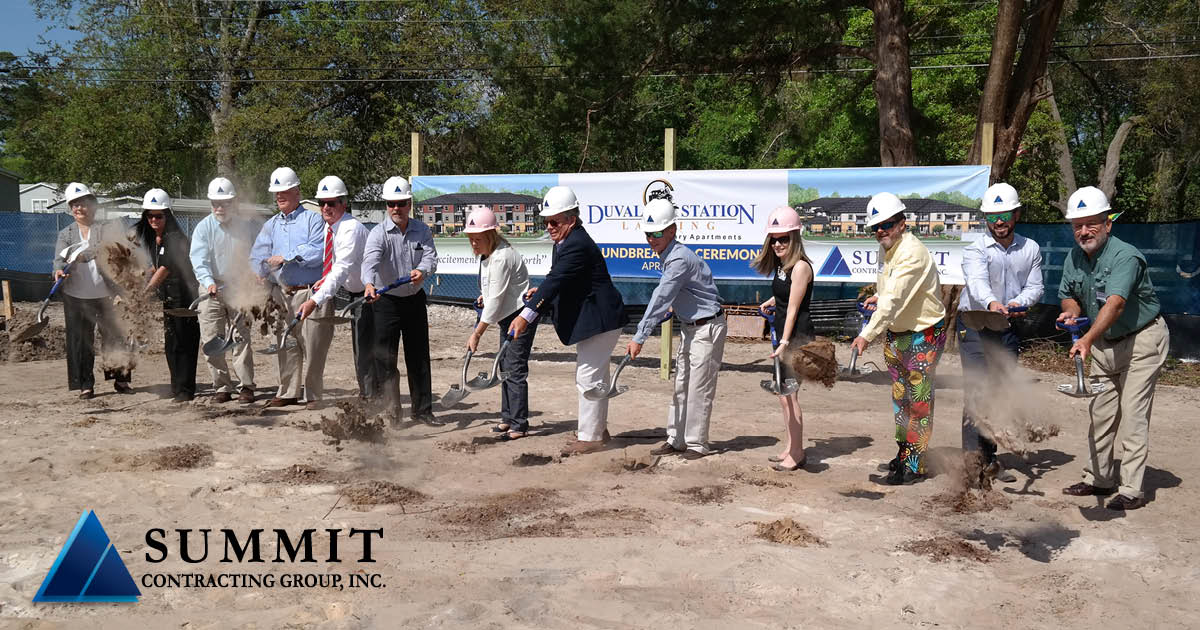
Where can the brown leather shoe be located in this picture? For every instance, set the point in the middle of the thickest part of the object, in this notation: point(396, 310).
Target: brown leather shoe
point(665, 449)
point(282, 402)
point(246, 395)
point(314, 405)
point(579, 447)
point(1082, 489)
point(222, 397)
point(1122, 502)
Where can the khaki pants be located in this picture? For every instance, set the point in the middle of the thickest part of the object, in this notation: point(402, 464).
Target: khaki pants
point(313, 345)
point(1129, 369)
point(215, 316)
point(696, 366)
point(591, 370)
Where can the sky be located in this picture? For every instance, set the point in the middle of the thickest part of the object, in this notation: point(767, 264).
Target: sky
point(20, 28)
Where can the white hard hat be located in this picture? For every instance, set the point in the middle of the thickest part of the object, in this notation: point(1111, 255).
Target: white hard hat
point(783, 219)
point(156, 199)
point(76, 190)
point(283, 178)
point(659, 215)
point(882, 207)
point(331, 187)
point(396, 189)
point(481, 220)
point(220, 188)
point(999, 197)
point(1087, 202)
point(558, 200)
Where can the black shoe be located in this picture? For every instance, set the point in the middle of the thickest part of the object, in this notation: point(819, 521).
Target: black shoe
point(427, 418)
point(690, 454)
point(122, 387)
point(903, 477)
point(1122, 502)
point(183, 397)
point(890, 466)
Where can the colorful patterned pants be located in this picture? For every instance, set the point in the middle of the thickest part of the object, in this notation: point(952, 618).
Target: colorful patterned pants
point(911, 358)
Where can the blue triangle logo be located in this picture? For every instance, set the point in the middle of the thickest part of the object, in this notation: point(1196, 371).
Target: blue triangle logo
point(472, 222)
point(874, 211)
point(998, 199)
point(398, 189)
point(220, 190)
point(323, 187)
point(276, 181)
point(1081, 204)
point(775, 222)
point(88, 569)
point(154, 200)
point(835, 265)
point(78, 189)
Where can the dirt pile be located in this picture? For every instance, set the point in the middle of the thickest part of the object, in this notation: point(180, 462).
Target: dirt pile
point(460, 446)
point(180, 457)
point(532, 459)
point(49, 344)
point(705, 495)
point(758, 480)
point(352, 422)
point(816, 361)
point(788, 532)
point(945, 548)
point(523, 512)
point(382, 493)
point(301, 475)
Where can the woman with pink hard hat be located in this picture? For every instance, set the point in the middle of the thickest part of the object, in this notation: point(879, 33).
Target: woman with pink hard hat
point(503, 280)
point(783, 258)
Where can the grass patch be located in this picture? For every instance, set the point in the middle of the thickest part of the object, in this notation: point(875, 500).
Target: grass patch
point(1047, 356)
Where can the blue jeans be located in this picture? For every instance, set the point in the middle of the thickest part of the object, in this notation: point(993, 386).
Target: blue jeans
point(514, 389)
point(984, 354)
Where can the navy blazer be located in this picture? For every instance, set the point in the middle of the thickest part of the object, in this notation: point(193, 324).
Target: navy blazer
point(580, 291)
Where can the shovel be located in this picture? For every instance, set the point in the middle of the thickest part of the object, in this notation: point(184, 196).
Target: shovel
point(851, 371)
point(286, 341)
point(39, 324)
point(221, 344)
point(1079, 389)
point(485, 380)
point(190, 311)
point(988, 319)
point(777, 385)
point(600, 392)
point(351, 311)
point(460, 391)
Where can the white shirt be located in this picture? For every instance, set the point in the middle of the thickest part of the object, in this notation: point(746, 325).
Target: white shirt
point(85, 282)
point(503, 280)
point(349, 239)
point(996, 274)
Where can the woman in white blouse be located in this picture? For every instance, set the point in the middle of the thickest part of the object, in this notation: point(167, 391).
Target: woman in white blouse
point(503, 280)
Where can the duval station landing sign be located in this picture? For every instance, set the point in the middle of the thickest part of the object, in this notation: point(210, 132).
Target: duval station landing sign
point(724, 214)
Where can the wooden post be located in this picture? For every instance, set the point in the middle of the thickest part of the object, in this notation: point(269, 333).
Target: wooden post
point(666, 342)
point(418, 144)
point(8, 307)
point(988, 135)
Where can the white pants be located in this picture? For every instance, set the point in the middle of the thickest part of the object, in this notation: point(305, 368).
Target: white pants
point(696, 366)
point(215, 316)
point(591, 370)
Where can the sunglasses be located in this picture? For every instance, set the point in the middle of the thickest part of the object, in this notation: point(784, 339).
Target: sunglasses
point(658, 234)
point(221, 204)
point(785, 239)
point(886, 225)
point(398, 204)
point(998, 217)
point(556, 222)
point(329, 202)
point(156, 216)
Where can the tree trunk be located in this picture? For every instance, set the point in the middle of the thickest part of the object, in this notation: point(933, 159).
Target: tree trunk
point(1066, 170)
point(893, 84)
point(1112, 159)
point(1022, 90)
point(995, 86)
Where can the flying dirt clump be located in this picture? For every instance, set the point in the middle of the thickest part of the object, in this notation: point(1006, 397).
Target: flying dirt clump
point(353, 423)
point(787, 532)
point(816, 361)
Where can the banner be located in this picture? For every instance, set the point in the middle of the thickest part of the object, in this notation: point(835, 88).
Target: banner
point(722, 214)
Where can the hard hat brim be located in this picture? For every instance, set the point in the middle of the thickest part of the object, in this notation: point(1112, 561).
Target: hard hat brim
point(282, 187)
point(395, 197)
point(998, 210)
point(478, 229)
point(656, 227)
point(548, 213)
point(223, 197)
point(881, 218)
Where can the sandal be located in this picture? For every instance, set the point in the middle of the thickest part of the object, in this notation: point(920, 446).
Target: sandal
point(503, 427)
point(513, 435)
point(87, 394)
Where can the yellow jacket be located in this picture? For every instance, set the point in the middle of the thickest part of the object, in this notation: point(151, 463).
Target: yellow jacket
point(909, 290)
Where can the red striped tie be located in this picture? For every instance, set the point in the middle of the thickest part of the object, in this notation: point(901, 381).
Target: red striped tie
point(328, 266)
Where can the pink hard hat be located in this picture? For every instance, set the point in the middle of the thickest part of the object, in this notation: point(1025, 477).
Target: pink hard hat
point(481, 220)
point(783, 219)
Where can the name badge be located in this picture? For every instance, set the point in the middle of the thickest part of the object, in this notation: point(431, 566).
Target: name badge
point(1101, 297)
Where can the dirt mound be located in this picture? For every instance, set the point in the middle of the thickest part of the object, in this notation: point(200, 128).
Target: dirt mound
point(945, 548)
point(86, 422)
point(787, 532)
point(816, 361)
point(49, 344)
point(704, 495)
point(460, 446)
point(300, 475)
point(353, 423)
point(968, 501)
point(381, 493)
point(500, 510)
point(758, 480)
point(623, 464)
point(531, 459)
point(181, 457)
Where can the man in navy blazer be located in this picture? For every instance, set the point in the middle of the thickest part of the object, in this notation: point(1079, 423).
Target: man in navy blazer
point(588, 310)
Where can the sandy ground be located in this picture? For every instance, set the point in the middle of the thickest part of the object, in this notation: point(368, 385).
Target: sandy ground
point(608, 540)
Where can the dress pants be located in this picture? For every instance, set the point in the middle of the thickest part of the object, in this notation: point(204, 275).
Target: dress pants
point(181, 345)
point(362, 336)
point(696, 366)
point(312, 347)
point(514, 389)
point(404, 317)
point(82, 316)
point(214, 317)
point(591, 370)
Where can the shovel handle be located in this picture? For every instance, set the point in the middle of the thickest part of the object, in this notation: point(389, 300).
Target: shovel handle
point(853, 359)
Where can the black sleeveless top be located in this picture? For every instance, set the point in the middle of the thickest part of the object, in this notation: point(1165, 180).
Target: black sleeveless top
point(781, 288)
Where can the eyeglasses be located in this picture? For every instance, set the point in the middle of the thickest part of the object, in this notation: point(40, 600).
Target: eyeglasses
point(156, 216)
point(998, 217)
point(886, 225)
point(784, 240)
point(658, 234)
point(1089, 225)
point(399, 204)
point(556, 222)
point(221, 204)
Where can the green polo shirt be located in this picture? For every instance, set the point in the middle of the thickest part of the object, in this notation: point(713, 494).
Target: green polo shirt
point(1119, 269)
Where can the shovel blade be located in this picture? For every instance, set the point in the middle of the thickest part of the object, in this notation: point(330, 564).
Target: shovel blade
point(769, 385)
point(453, 397)
point(599, 392)
point(180, 312)
point(31, 331)
point(790, 386)
point(483, 381)
point(217, 345)
point(1071, 390)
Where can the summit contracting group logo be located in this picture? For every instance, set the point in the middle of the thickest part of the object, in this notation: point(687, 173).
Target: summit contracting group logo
point(88, 569)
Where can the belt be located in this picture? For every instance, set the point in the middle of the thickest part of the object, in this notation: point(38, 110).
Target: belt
point(704, 320)
point(293, 289)
point(1128, 335)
